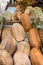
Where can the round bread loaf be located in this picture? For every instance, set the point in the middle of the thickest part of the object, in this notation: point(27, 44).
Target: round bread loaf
point(5, 58)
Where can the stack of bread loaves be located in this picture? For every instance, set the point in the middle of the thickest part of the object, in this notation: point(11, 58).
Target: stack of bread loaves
point(14, 49)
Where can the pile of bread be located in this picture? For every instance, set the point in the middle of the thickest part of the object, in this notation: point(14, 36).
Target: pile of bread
point(14, 50)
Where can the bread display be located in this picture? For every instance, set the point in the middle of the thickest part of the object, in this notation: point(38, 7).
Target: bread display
point(6, 31)
point(18, 32)
point(36, 57)
point(34, 38)
point(9, 44)
point(5, 58)
point(21, 34)
point(21, 59)
point(23, 47)
point(26, 22)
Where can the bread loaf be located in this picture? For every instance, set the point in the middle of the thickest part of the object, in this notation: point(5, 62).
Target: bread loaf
point(34, 38)
point(9, 44)
point(21, 59)
point(18, 32)
point(5, 58)
point(26, 22)
point(24, 47)
point(36, 57)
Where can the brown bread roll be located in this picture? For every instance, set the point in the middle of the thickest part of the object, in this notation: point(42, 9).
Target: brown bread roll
point(16, 16)
point(21, 59)
point(18, 32)
point(6, 31)
point(23, 47)
point(9, 44)
point(34, 38)
point(36, 57)
point(5, 58)
point(26, 22)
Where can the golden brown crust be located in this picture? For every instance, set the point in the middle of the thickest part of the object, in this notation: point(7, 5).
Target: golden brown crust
point(36, 57)
point(25, 19)
point(34, 38)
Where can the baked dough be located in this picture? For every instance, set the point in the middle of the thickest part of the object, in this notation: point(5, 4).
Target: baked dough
point(18, 32)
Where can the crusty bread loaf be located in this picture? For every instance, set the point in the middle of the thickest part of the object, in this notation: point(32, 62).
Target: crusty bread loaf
point(21, 59)
point(34, 38)
point(18, 32)
point(5, 58)
point(23, 47)
point(9, 44)
point(26, 22)
point(36, 57)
